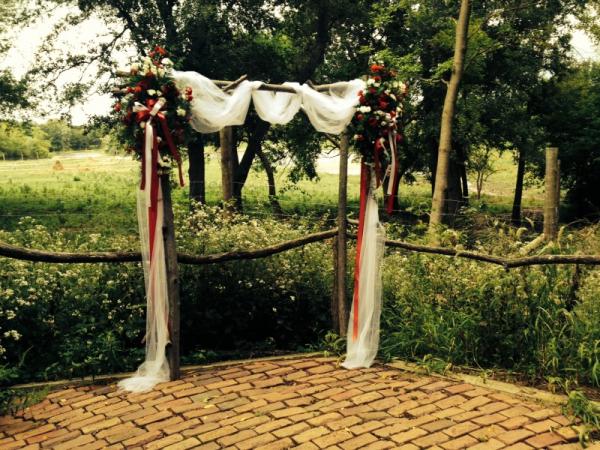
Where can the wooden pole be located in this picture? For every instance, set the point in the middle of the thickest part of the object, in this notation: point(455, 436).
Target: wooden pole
point(226, 140)
point(340, 308)
point(172, 277)
point(551, 195)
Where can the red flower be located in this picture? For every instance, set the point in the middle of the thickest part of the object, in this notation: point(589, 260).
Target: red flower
point(360, 93)
point(161, 51)
point(377, 78)
point(372, 90)
point(129, 89)
point(376, 68)
point(362, 100)
point(137, 89)
point(399, 137)
point(360, 117)
point(117, 107)
point(383, 105)
point(372, 121)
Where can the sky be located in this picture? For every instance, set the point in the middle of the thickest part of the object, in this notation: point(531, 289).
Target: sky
point(25, 42)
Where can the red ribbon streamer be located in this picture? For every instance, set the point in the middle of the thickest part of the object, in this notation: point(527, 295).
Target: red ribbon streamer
point(364, 187)
point(393, 176)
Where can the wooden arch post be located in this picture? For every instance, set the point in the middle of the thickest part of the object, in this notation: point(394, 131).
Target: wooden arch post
point(172, 267)
point(339, 310)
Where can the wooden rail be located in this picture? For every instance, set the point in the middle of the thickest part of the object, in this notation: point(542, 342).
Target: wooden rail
point(11, 251)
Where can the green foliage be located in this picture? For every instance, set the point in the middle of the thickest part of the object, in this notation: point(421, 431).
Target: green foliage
point(19, 142)
point(532, 320)
point(571, 109)
point(88, 319)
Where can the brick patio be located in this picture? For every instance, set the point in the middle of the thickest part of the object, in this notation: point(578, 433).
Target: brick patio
point(290, 403)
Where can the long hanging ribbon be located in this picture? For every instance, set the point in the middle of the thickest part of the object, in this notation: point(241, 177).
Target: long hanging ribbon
point(364, 191)
point(392, 188)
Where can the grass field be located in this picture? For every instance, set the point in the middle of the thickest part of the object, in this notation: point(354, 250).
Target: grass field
point(95, 192)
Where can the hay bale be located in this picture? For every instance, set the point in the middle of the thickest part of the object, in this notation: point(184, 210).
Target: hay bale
point(58, 166)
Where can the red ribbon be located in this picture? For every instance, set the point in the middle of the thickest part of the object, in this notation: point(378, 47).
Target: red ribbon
point(364, 188)
point(393, 174)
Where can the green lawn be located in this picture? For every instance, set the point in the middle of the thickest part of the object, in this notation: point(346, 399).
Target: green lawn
point(93, 192)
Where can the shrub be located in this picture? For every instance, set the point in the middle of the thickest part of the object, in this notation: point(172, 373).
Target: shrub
point(86, 319)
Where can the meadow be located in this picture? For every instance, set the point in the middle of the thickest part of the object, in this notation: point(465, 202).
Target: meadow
point(95, 192)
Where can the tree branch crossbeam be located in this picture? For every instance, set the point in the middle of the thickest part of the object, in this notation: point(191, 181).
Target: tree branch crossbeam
point(24, 254)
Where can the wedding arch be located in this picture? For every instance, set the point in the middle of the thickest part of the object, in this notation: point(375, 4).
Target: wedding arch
point(155, 107)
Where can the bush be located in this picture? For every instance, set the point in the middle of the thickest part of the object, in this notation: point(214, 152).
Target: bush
point(86, 319)
point(540, 320)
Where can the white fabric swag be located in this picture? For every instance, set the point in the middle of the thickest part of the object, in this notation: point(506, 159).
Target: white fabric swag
point(213, 109)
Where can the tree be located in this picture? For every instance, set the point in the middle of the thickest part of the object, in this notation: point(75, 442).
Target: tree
point(513, 47)
point(572, 121)
point(13, 92)
point(443, 161)
point(481, 163)
point(279, 41)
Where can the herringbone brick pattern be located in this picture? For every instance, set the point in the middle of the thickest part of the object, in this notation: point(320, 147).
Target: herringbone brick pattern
point(299, 403)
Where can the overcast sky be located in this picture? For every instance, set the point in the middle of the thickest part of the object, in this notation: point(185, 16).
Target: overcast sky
point(21, 57)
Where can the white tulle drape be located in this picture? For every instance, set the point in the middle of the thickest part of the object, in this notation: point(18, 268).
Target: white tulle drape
point(332, 110)
point(212, 109)
point(277, 107)
point(155, 368)
point(361, 352)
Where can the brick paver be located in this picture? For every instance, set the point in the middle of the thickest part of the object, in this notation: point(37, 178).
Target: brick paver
point(303, 403)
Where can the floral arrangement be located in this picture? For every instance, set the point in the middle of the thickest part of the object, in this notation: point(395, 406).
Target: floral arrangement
point(376, 119)
point(149, 82)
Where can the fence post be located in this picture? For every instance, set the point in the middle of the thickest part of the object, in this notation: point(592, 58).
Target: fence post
point(339, 305)
point(552, 194)
point(226, 142)
point(172, 277)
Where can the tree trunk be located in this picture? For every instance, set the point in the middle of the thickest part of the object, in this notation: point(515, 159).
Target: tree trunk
point(443, 161)
point(227, 170)
point(271, 181)
point(196, 169)
point(241, 173)
point(516, 209)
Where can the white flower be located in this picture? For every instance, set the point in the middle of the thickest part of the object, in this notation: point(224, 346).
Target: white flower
point(370, 81)
point(181, 112)
point(160, 72)
point(12, 333)
point(151, 92)
point(135, 67)
point(392, 96)
point(365, 109)
point(167, 62)
point(10, 314)
point(142, 124)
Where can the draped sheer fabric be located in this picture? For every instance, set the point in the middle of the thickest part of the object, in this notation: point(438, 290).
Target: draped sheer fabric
point(213, 109)
point(332, 111)
point(155, 368)
point(361, 352)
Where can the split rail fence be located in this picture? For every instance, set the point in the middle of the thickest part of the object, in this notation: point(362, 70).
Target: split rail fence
point(340, 236)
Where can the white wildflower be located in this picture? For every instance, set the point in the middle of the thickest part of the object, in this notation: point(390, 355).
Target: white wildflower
point(12, 334)
point(181, 112)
